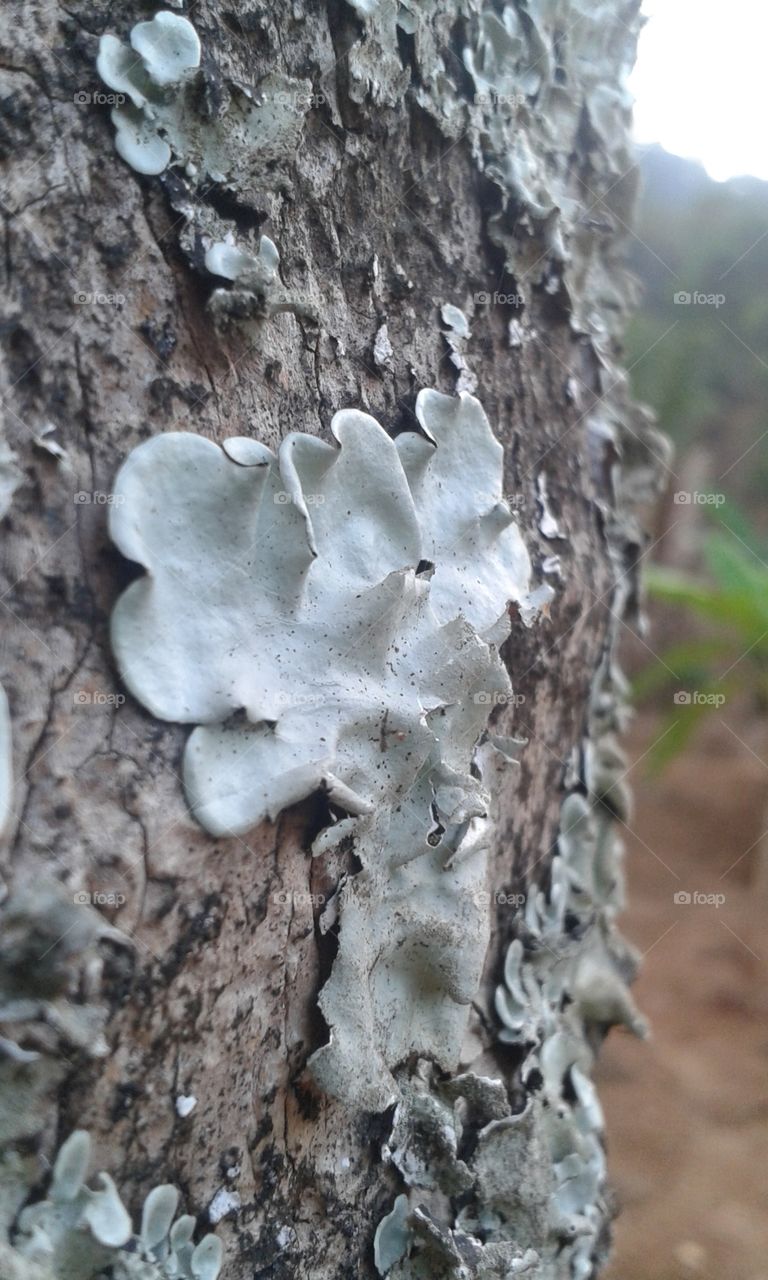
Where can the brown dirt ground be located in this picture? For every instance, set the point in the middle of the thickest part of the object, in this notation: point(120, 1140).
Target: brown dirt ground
point(687, 1112)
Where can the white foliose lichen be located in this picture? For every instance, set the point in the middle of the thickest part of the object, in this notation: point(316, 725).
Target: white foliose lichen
point(80, 1234)
point(164, 122)
point(49, 967)
point(49, 978)
point(49, 1013)
point(257, 292)
point(165, 53)
point(167, 126)
point(457, 334)
point(330, 619)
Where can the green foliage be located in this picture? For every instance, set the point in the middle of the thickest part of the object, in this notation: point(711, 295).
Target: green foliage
point(732, 660)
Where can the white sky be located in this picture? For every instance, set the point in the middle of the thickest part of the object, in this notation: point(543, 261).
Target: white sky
point(701, 83)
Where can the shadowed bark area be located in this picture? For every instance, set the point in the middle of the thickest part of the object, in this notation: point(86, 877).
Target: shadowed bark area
point(382, 215)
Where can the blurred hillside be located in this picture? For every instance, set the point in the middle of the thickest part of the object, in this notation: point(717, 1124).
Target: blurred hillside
point(688, 1115)
point(707, 375)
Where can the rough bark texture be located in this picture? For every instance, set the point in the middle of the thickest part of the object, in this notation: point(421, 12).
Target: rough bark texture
point(381, 216)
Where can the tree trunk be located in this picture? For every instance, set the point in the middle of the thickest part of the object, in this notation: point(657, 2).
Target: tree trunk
point(405, 160)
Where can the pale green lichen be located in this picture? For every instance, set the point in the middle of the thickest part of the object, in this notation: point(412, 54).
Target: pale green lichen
point(540, 73)
point(323, 545)
point(330, 618)
point(530, 1182)
point(257, 292)
point(48, 960)
point(457, 334)
point(525, 1192)
point(393, 1237)
point(166, 127)
point(166, 51)
point(77, 1233)
point(49, 976)
point(168, 46)
point(163, 122)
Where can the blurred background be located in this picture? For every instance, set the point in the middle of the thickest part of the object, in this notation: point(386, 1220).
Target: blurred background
point(687, 1113)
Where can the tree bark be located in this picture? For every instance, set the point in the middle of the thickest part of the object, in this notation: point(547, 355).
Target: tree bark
point(401, 194)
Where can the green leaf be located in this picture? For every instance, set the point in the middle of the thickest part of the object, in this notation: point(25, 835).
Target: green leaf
point(687, 665)
point(737, 609)
point(677, 732)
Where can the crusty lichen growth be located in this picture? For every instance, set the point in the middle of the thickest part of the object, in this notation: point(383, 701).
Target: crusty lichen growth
point(508, 1176)
point(530, 1198)
point(10, 479)
point(540, 108)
